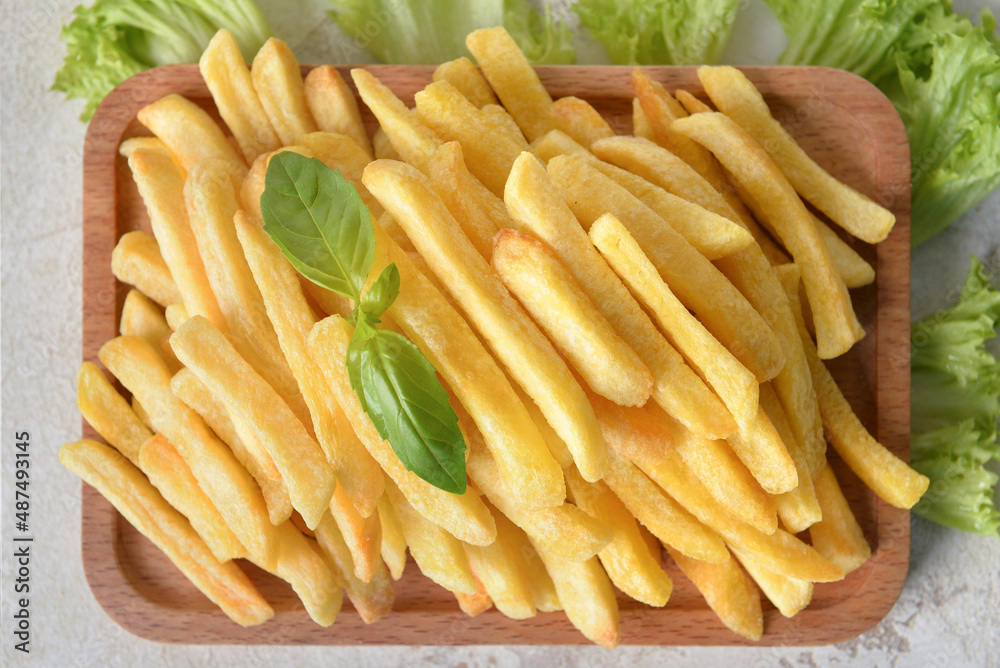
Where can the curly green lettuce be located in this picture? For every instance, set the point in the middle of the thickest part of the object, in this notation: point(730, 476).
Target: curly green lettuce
point(954, 407)
point(116, 39)
point(659, 32)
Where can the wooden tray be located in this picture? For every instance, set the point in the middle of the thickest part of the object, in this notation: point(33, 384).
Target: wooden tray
point(841, 120)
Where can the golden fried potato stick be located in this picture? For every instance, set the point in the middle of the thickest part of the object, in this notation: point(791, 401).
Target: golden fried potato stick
point(780, 552)
point(171, 475)
point(277, 80)
point(691, 104)
point(133, 144)
point(556, 142)
point(728, 592)
point(626, 559)
point(140, 412)
point(212, 205)
point(256, 408)
point(733, 382)
point(161, 185)
point(188, 132)
point(409, 137)
point(497, 116)
point(226, 482)
point(586, 595)
point(334, 107)
point(372, 599)
point(546, 289)
point(475, 604)
point(537, 208)
point(108, 413)
point(885, 473)
point(136, 260)
point(502, 570)
point(464, 76)
point(641, 127)
point(580, 120)
point(439, 555)
point(382, 146)
point(175, 314)
point(252, 453)
point(760, 447)
point(798, 508)
point(462, 515)
point(838, 537)
point(315, 580)
point(512, 336)
point(141, 317)
point(363, 535)
point(543, 590)
point(479, 212)
point(490, 148)
point(393, 548)
point(293, 319)
point(696, 282)
point(228, 79)
point(739, 99)
point(837, 325)
point(661, 514)
point(513, 79)
point(789, 595)
point(139, 502)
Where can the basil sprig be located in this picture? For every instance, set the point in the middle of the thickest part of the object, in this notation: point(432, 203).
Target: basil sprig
point(319, 222)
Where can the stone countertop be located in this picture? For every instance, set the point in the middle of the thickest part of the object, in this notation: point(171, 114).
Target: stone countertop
point(947, 614)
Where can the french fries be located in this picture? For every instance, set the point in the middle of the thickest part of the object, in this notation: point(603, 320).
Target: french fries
point(334, 107)
point(136, 260)
point(464, 76)
point(279, 86)
point(187, 131)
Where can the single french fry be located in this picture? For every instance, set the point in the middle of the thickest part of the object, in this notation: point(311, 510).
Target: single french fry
point(383, 146)
point(277, 80)
point(356, 471)
point(501, 120)
point(334, 107)
point(537, 208)
point(557, 447)
point(543, 590)
point(853, 269)
point(580, 121)
point(479, 212)
point(316, 581)
point(733, 382)
point(586, 595)
point(502, 570)
point(140, 413)
point(626, 558)
point(175, 314)
point(696, 282)
point(760, 447)
point(837, 325)
point(251, 453)
point(226, 482)
point(885, 473)
point(363, 535)
point(462, 515)
point(409, 137)
point(513, 79)
point(798, 508)
point(691, 104)
point(136, 260)
point(373, 598)
point(661, 514)
point(439, 555)
point(146, 509)
point(141, 317)
point(533, 273)
point(477, 603)
point(641, 127)
point(171, 475)
point(490, 150)
point(228, 79)
point(133, 144)
point(464, 76)
point(838, 537)
point(187, 131)
point(393, 548)
point(527, 354)
point(739, 99)
point(255, 407)
point(727, 591)
point(108, 412)
point(789, 595)
point(556, 142)
point(161, 185)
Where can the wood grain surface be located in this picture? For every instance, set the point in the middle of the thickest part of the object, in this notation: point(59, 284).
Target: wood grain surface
point(843, 122)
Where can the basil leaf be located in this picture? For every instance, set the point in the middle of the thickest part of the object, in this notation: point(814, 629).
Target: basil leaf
point(406, 403)
point(319, 222)
point(382, 293)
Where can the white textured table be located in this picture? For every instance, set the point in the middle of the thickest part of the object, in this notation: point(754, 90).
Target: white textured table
point(948, 614)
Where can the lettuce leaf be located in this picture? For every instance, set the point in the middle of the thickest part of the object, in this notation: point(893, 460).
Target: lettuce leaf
point(115, 39)
point(659, 32)
point(428, 32)
point(954, 407)
point(940, 71)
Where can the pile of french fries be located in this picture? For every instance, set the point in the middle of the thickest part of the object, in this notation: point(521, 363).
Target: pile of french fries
point(624, 324)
